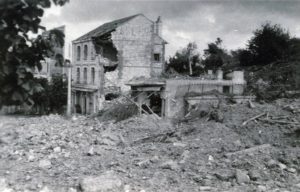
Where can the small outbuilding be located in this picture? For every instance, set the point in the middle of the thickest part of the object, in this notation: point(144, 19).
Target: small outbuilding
point(171, 98)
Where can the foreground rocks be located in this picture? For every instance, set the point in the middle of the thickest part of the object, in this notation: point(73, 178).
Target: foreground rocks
point(105, 182)
point(242, 176)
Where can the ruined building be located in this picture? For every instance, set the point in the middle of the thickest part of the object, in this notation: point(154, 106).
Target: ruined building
point(107, 57)
point(172, 98)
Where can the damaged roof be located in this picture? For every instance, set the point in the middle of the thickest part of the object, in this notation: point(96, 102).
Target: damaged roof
point(105, 28)
point(109, 27)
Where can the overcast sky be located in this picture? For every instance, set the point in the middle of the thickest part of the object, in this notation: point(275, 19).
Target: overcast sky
point(183, 21)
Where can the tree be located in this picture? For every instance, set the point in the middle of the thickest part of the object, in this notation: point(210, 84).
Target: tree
point(20, 55)
point(294, 49)
point(270, 43)
point(41, 98)
point(215, 56)
point(53, 96)
point(58, 93)
point(244, 57)
point(185, 61)
point(190, 51)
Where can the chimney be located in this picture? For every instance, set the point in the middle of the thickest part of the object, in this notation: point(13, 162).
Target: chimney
point(158, 27)
point(238, 77)
point(219, 74)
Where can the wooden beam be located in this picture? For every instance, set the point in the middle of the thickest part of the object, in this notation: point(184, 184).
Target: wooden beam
point(253, 118)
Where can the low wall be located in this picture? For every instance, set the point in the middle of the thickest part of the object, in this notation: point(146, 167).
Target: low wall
point(177, 89)
point(213, 100)
point(6, 110)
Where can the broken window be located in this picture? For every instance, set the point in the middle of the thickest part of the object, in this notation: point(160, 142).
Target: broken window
point(156, 57)
point(78, 53)
point(78, 75)
point(85, 75)
point(85, 52)
point(226, 89)
point(93, 75)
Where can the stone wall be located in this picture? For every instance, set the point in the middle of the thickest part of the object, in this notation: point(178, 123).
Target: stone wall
point(135, 44)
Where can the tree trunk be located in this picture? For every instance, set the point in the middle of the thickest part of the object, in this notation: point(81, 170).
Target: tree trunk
point(190, 66)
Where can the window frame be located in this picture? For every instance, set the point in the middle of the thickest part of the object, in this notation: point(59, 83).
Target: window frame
point(85, 52)
point(78, 75)
point(159, 57)
point(78, 55)
point(93, 75)
point(85, 75)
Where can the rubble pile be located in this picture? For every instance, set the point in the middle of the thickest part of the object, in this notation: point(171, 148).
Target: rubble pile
point(118, 112)
point(252, 149)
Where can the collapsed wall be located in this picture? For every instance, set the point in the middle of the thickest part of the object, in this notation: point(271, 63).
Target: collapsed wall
point(108, 56)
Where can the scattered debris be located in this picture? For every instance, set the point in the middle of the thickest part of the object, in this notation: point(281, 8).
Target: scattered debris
point(45, 164)
point(105, 182)
point(242, 176)
point(172, 165)
point(292, 108)
point(250, 151)
point(251, 105)
point(280, 122)
point(253, 118)
point(118, 112)
point(142, 153)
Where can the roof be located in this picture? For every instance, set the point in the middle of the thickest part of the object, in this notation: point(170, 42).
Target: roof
point(161, 39)
point(105, 28)
point(142, 81)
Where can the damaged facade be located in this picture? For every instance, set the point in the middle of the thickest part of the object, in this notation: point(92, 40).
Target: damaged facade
point(109, 56)
point(172, 98)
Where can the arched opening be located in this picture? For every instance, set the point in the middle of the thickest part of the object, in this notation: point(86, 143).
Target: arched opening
point(85, 52)
point(78, 75)
point(93, 75)
point(85, 75)
point(78, 52)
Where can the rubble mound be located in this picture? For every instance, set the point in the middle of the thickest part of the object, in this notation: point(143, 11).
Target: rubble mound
point(252, 149)
point(118, 112)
